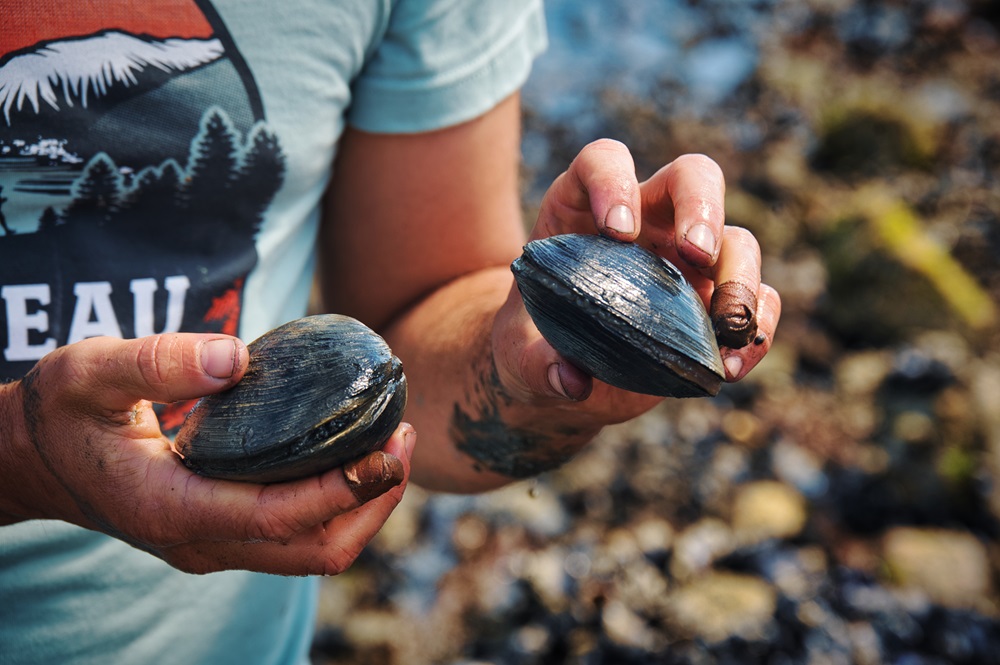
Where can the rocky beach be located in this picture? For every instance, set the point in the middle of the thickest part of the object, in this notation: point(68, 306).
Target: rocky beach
point(839, 505)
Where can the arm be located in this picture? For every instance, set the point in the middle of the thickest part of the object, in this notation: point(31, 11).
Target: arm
point(418, 235)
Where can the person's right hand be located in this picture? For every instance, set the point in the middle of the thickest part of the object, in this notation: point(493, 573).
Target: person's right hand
point(81, 443)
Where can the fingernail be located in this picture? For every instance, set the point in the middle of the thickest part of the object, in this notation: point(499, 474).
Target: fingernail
point(219, 358)
point(734, 365)
point(702, 237)
point(373, 475)
point(569, 382)
point(409, 440)
point(733, 310)
point(554, 381)
point(620, 219)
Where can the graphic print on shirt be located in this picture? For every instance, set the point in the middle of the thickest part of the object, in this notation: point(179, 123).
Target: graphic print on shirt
point(135, 170)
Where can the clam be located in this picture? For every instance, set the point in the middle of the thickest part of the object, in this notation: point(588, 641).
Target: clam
point(621, 313)
point(318, 392)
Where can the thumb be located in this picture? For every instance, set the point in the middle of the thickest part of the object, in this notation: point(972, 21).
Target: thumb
point(160, 368)
point(527, 363)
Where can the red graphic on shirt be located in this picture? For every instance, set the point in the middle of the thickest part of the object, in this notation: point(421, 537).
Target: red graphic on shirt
point(26, 23)
point(226, 309)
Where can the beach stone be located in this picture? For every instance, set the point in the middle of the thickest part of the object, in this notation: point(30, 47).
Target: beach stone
point(767, 509)
point(744, 428)
point(627, 628)
point(653, 534)
point(699, 546)
point(860, 374)
point(545, 571)
point(720, 605)
point(798, 467)
point(866, 646)
point(951, 567)
point(986, 391)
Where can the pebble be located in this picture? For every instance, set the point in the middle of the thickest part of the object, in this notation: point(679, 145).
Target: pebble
point(720, 605)
point(767, 509)
point(699, 546)
point(951, 567)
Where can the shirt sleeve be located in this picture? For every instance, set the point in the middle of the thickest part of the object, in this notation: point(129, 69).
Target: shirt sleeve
point(442, 62)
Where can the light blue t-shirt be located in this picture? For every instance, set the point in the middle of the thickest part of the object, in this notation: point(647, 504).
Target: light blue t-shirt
point(162, 165)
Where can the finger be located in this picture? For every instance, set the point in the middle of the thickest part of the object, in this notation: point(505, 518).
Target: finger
point(733, 306)
point(159, 368)
point(204, 509)
point(598, 190)
point(739, 362)
point(328, 548)
point(683, 206)
point(528, 365)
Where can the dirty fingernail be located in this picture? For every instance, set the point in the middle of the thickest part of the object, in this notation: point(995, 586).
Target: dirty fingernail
point(373, 475)
point(219, 358)
point(620, 219)
point(734, 314)
point(702, 237)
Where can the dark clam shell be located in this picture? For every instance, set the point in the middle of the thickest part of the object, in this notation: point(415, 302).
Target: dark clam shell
point(621, 313)
point(318, 392)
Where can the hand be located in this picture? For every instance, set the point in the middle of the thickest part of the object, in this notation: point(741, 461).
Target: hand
point(82, 444)
point(679, 214)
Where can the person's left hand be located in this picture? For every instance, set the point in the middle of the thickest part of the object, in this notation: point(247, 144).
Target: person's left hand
point(679, 214)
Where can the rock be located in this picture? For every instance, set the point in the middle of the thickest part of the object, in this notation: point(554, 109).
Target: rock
point(797, 573)
point(653, 535)
point(545, 571)
point(866, 647)
point(721, 605)
point(767, 509)
point(951, 567)
point(860, 374)
point(627, 628)
point(744, 428)
point(799, 468)
point(699, 546)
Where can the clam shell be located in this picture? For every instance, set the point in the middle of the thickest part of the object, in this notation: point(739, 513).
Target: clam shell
point(621, 313)
point(318, 392)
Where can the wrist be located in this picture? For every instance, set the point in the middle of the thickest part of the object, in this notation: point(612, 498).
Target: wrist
point(13, 441)
point(509, 433)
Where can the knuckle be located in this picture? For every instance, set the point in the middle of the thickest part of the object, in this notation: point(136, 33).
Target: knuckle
point(70, 368)
point(337, 559)
point(605, 145)
point(743, 238)
point(270, 525)
point(699, 161)
point(153, 358)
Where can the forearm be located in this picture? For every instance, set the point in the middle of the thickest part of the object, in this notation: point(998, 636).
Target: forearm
point(11, 426)
point(475, 432)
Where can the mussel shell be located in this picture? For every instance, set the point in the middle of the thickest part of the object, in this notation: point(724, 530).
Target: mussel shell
point(621, 313)
point(318, 392)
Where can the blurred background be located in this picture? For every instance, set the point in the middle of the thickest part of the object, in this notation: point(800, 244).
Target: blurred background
point(839, 505)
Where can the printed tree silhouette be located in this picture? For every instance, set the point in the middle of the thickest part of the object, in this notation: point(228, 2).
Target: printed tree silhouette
point(263, 171)
point(156, 191)
point(225, 189)
point(49, 220)
point(211, 170)
point(96, 193)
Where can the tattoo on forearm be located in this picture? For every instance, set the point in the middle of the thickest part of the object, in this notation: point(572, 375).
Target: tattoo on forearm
point(482, 433)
